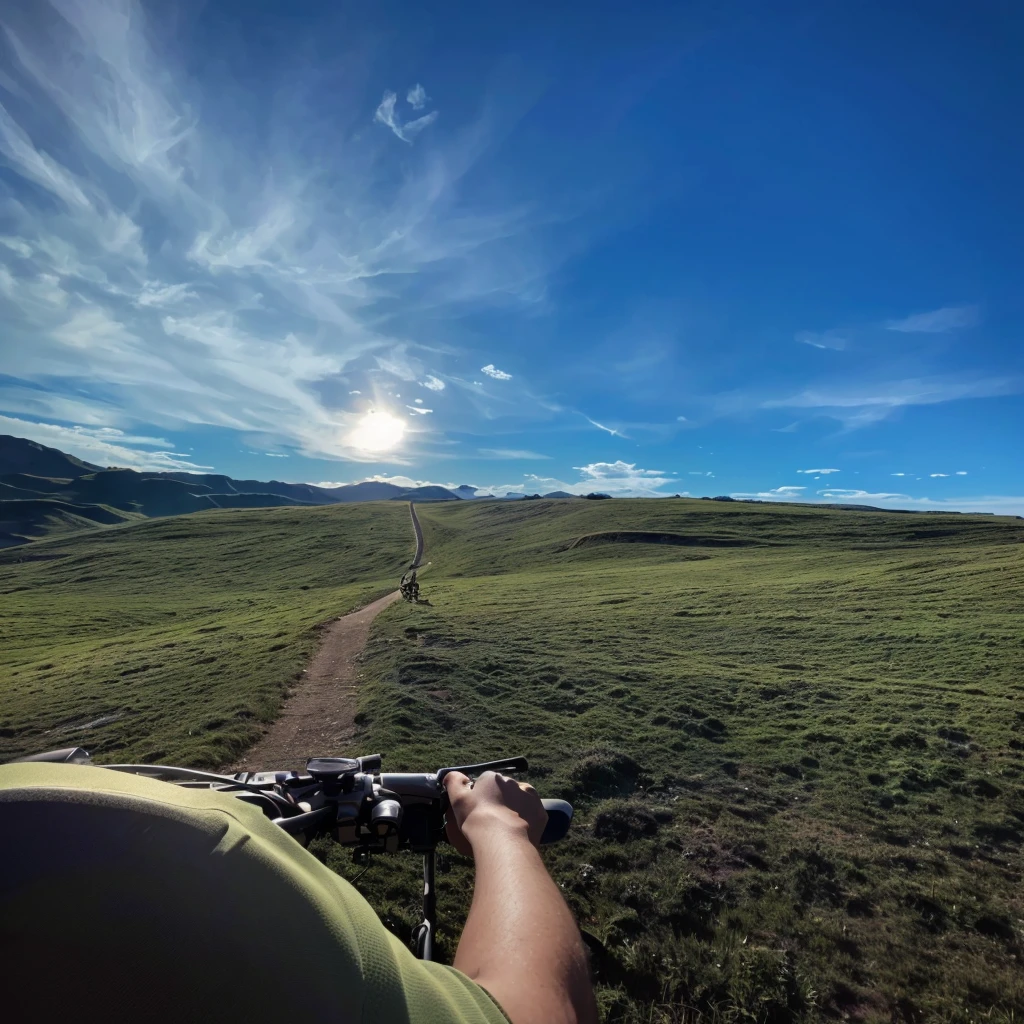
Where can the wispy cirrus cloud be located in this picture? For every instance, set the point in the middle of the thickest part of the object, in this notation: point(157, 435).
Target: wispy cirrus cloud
point(511, 453)
point(833, 339)
point(600, 426)
point(417, 97)
point(159, 266)
point(492, 371)
point(818, 472)
point(870, 403)
point(407, 131)
point(938, 321)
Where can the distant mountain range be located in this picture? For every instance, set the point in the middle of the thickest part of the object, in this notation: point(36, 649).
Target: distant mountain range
point(44, 490)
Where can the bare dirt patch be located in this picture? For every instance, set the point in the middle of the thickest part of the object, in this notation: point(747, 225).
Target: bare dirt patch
point(318, 717)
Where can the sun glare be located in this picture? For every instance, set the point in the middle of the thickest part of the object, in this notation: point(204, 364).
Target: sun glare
point(377, 432)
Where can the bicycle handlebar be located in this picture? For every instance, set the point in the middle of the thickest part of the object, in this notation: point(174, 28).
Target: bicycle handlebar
point(349, 798)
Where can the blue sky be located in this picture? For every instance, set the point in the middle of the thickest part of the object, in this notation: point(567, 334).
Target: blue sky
point(731, 248)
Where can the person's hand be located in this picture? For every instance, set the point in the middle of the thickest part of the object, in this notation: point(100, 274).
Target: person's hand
point(493, 804)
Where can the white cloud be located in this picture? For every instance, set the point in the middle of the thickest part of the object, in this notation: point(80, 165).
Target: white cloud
point(385, 115)
point(18, 245)
point(866, 404)
point(511, 453)
point(933, 475)
point(417, 97)
point(418, 401)
point(275, 455)
point(938, 321)
point(621, 477)
point(787, 493)
point(154, 293)
point(681, 419)
point(897, 474)
point(492, 371)
point(433, 383)
point(961, 472)
point(998, 504)
point(615, 470)
point(854, 494)
point(834, 340)
point(355, 392)
point(822, 472)
point(420, 409)
point(601, 426)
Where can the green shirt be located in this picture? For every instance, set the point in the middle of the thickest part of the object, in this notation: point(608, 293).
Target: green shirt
point(126, 898)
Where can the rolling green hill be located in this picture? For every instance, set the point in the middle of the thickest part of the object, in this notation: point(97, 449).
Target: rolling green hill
point(795, 736)
point(176, 638)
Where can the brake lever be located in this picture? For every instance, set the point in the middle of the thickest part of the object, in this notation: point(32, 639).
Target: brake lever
point(508, 764)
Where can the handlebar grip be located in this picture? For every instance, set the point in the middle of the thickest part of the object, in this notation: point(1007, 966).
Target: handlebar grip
point(559, 819)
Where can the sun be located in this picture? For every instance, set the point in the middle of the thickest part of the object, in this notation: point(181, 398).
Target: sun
point(377, 432)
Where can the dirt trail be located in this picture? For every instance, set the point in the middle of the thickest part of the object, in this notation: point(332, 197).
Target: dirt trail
point(318, 717)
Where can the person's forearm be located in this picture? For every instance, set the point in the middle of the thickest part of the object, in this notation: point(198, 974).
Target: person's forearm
point(520, 941)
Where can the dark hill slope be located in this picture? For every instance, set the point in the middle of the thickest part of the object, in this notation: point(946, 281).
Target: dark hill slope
point(134, 492)
point(32, 518)
point(19, 455)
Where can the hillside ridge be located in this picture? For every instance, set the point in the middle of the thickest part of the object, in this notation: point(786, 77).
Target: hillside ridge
point(43, 490)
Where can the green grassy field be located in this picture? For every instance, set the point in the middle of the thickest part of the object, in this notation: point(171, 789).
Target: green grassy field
point(176, 639)
point(794, 737)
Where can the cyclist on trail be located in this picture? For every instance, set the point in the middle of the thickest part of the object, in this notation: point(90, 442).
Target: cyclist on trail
point(410, 587)
point(127, 898)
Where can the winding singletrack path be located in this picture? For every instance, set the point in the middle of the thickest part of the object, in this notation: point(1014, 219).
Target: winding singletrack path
point(318, 717)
